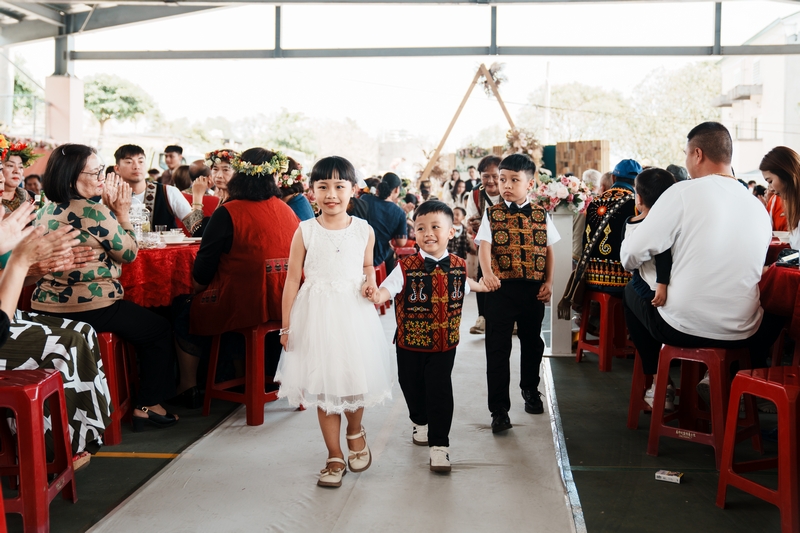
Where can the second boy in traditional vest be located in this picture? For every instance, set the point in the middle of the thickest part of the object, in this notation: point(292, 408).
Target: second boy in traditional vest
point(515, 239)
point(429, 290)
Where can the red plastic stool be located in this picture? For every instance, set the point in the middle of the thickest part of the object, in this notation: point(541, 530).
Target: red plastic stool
point(114, 353)
point(613, 340)
point(639, 385)
point(689, 414)
point(24, 392)
point(780, 385)
point(254, 396)
point(777, 350)
point(380, 275)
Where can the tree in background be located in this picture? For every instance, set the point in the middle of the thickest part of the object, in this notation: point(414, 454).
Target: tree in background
point(24, 85)
point(111, 97)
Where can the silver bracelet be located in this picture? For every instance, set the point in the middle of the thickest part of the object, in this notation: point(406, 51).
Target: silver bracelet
point(284, 331)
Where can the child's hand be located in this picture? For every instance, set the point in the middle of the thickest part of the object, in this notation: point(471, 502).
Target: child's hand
point(285, 342)
point(375, 297)
point(545, 292)
point(368, 289)
point(661, 295)
point(490, 281)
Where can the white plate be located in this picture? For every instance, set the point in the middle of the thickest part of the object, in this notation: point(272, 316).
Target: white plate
point(182, 243)
point(192, 239)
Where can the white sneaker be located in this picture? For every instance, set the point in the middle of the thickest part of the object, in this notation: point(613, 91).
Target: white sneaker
point(669, 400)
point(479, 327)
point(419, 435)
point(440, 459)
point(704, 390)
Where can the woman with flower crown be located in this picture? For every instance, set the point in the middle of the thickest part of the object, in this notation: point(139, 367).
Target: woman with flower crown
point(16, 158)
point(292, 185)
point(240, 269)
point(220, 162)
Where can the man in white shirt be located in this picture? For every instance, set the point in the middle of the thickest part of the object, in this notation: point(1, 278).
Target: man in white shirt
point(719, 235)
point(165, 202)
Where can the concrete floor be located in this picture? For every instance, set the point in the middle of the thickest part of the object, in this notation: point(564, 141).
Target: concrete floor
point(241, 478)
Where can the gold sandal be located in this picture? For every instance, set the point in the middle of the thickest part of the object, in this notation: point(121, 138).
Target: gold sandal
point(359, 461)
point(328, 477)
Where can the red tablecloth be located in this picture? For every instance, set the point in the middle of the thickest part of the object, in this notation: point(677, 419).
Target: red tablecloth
point(780, 295)
point(159, 275)
point(775, 248)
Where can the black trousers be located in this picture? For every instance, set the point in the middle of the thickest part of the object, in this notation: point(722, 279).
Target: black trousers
point(428, 389)
point(150, 334)
point(649, 331)
point(514, 301)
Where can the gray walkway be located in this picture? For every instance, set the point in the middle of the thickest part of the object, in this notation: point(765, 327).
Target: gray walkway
point(240, 478)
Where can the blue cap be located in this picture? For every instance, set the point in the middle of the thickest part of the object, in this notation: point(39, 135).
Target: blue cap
point(627, 169)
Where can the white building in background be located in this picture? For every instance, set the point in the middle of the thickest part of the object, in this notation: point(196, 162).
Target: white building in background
point(760, 97)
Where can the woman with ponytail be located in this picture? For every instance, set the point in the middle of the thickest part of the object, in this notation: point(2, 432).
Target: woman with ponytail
point(387, 219)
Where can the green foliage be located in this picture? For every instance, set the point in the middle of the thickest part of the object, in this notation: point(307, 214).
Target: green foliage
point(107, 96)
point(24, 86)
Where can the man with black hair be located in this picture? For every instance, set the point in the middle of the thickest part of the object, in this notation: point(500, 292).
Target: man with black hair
point(474, 180)
point(173, 157)
point(165, 202)
point(719, 235)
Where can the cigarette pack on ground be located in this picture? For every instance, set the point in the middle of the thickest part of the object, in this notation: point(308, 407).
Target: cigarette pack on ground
point(670, 477)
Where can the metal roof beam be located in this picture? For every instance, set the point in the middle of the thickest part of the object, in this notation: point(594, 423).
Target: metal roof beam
point(363, 2)
point(38, 11)
point(117, 16)
point(438, 51)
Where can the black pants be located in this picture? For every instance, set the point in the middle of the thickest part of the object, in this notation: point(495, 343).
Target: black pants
point(514, 301)
point(428, 389)
point(649, 331)
point(150, 334)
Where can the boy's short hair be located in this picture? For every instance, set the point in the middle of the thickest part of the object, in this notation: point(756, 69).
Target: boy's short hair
point(650, 184)
point(173, 148)
point(471, 166)
point(519, 163)
point(433, 206)
point(463, 211)
point(127, 150)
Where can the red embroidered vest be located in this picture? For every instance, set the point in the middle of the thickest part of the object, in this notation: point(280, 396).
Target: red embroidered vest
point(519, 242)
point(428, 309)
point(248, 286)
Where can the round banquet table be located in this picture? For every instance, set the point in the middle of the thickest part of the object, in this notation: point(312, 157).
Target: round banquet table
point(158, 275)
point(780, 287)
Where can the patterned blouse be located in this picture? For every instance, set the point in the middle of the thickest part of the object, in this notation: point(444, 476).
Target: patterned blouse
point(96, 285)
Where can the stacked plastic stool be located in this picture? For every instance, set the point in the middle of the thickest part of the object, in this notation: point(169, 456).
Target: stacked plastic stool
point(780, 385)
point(24, 392)
point(613, 339)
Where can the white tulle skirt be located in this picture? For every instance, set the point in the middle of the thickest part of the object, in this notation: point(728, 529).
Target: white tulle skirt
point(338, 358)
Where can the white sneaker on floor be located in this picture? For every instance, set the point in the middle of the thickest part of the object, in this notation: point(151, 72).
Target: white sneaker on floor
point(669, 400)
point(480, 326)
point(419, 435)
point(704, 390)
point(440, 459)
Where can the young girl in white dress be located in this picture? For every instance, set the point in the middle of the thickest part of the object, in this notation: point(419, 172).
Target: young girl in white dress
point(336, 356)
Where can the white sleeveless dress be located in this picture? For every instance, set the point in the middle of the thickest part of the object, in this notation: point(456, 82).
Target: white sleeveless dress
point(338, 357)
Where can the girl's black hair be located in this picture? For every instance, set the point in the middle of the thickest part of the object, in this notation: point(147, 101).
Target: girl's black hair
point(255, 188)
point(390, 182)
point(333, 167)
point(651, 183)
point(519, 163)
point(64, 167)
point(433, 206)
point(488, 161)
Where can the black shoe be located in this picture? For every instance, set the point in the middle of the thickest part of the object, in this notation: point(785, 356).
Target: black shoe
point(500, 422)
point(190, 398)
point(533, 402)
point(155, 419)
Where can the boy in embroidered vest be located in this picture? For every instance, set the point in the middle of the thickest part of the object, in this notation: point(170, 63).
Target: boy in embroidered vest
point(515, 248)
point(429, 290)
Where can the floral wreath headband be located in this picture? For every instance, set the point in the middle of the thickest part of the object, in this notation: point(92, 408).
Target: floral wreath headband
point(278, 164)
point(21, 149)
point(287, 180)
point(220, 156)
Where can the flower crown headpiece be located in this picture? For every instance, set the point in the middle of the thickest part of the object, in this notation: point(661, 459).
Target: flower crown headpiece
point(278, 164)
point(24, 151)
point(287, 180)
point(3, 147)
point(220, 156)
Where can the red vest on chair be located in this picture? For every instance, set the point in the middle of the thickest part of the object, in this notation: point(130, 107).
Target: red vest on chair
point(248, 286)
point(428, 309)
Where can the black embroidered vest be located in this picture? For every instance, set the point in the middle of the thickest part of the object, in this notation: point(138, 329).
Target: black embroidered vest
point(519, 243)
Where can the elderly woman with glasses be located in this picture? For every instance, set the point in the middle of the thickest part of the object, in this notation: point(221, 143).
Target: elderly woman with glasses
point(75, 183)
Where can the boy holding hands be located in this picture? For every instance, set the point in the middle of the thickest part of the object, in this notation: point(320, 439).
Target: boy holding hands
point(515, 251)
point(429, 290)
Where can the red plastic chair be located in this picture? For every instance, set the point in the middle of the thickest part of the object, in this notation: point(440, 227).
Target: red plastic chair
point(780, 385)
point(254, 396)
point(639, 384)
point(689, 414)
point(24, 392)
point(380, 275)
point(114, 353)
point(613, 339)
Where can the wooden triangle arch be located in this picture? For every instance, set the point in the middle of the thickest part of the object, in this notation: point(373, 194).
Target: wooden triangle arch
point(482, 72)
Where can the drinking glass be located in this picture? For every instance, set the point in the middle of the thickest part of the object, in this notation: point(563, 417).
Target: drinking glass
point(161, 228)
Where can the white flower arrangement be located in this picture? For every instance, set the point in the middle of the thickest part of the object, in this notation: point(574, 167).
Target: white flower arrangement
point(570, 192)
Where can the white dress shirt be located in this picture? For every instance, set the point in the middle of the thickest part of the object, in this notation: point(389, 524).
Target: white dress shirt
point(395, 281)
point(177, 201)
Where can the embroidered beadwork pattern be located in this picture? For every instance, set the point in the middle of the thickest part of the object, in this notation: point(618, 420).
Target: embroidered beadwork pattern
point(519, 243)
point(603, 266)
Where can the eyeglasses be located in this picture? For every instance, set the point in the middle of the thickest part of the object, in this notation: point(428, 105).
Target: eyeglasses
point(96, 174)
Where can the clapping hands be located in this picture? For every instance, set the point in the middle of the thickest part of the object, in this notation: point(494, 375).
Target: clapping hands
point(14, 227)
point(117, 197)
